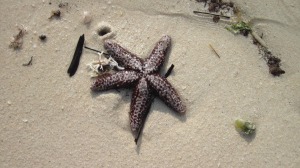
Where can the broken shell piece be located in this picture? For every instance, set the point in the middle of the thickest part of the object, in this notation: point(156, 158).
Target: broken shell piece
point(87, 17)
point(246, 127)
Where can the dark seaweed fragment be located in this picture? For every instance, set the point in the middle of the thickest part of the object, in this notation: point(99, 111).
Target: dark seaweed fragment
point(169, 71)
point(76, 58)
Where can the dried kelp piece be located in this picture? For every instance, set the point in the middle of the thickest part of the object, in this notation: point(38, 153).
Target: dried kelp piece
point(273, 62)
point(76, 58)
point(216, 19)
point(275, 70)
point(239, 27)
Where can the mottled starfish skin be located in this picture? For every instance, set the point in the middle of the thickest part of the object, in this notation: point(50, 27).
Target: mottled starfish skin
point(144, 76)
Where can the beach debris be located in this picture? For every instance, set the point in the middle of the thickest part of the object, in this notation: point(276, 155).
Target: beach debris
point(258, 39)
point(76, 58)
point(105, 54)
point(240, 27)
point(17, 40)
point(274, 65)
point(216, 19)
point(63, 4)
point(87, 17)
point(99, 66)
point(55, 14)
point(211, 47)
point(213, 6)
point(42, 37)
point(245, 127)
point(211, 14)
point(29, 62)
point(272, 61)
point(217, 8)
point(102, 64)
point(216, 5)
point(169, 71)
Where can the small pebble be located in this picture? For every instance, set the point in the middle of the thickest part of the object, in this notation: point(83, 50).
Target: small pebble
point(42, 37)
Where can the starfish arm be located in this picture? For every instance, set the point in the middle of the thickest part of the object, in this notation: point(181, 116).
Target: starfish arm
point(140, 105)
point(120, 79)
point(157, 57)
point(123, 56)
point(166, 92)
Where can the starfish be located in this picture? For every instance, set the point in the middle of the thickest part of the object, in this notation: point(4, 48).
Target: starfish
point(143, 75)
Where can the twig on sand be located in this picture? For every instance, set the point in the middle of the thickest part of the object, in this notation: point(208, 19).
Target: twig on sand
point(212, 14)
point(105, 54)
point(169, 71)
point(214, 50)
point(258, 39)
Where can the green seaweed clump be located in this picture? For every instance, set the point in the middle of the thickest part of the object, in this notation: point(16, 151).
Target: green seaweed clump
point(247, 127)
point(239, 27)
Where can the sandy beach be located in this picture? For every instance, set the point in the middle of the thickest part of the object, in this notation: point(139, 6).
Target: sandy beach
point(48, 119)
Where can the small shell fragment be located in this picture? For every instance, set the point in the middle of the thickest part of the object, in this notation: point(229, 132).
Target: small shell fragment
point(87, 17)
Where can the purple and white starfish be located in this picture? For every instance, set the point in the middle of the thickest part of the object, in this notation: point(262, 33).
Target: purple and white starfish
point(143, 75)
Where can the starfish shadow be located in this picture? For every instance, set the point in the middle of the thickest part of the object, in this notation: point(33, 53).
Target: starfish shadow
point(96, 94)
point(162, 109)
point(166, 109)
point(124, 96)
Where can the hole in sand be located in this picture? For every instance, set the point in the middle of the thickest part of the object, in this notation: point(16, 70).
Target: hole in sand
point(103, 31)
